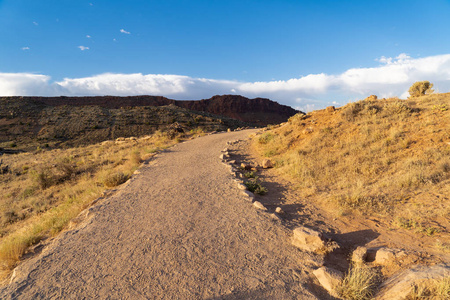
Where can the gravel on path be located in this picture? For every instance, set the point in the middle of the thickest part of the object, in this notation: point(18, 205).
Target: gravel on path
point(179, 229)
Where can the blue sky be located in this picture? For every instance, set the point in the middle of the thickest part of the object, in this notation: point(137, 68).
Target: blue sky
point(306, 54)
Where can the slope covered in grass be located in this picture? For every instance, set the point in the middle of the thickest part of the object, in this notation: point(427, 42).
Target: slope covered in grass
point(388, 158)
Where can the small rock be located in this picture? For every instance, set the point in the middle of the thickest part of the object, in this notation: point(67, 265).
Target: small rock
point(308, 130)
point(267, 163)
point(222, 157)
point(259, 205)
point(245, 166)
point(330, 109)
point(241, 186)
point(329, 279)
point(308, 239)
point(279, 211)
point(248, 194)
point(225, 150)
point(359, 255)
point(232, 162)
point(371, 97)
point(275, 217)
point(384, 256)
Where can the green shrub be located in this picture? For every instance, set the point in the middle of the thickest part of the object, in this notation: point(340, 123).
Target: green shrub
point(250, 174)
point(254, 186)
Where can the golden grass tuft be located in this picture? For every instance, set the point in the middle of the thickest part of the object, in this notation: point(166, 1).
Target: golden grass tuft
point(115, 179)
point(359, 283)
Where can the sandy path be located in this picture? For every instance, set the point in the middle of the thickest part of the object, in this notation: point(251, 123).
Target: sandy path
point(178, 230)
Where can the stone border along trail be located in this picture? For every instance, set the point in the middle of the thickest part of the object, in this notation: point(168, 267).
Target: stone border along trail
point(181, 228)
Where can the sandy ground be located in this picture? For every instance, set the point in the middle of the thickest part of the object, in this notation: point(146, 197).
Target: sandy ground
point(180, 229)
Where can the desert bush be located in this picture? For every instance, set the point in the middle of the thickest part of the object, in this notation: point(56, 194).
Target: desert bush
point(254, 186)
point(421, 88)
point(115, 179)
point(265, 138)
point(43, 178)
point(396, 107)
point(359, 283)
point(363, 107)
point(135, 158)
point(65, 171)
point(250, 174)
point(297, 118)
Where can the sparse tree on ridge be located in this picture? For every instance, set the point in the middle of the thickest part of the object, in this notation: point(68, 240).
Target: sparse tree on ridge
point(421, 88)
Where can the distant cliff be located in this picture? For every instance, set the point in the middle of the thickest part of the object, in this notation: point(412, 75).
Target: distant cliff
point(258, 111)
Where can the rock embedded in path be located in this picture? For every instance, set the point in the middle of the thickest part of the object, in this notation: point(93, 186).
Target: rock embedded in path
point(248, 194)
point(259, 205)
point(308, 239)
point(241, 186)
point(329, 279)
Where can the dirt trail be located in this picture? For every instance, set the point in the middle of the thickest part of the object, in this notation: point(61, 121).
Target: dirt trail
point(180, 229)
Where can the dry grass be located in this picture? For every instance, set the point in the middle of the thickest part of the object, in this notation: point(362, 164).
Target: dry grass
point(359, 283)
point(432, 290)
point(386, 157)
point(46, 189)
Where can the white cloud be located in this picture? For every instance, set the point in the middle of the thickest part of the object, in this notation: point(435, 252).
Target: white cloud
point(88, 36)
point(392, 77)
point(26, 84)
point(25, 48)
point(124, 31)
point(36, 23)
point(82, 48)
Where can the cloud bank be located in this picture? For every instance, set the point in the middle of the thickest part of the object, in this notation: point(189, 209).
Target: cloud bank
point(392, 77)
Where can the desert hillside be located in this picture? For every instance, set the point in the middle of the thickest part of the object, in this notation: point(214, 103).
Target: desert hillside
point(258, 111)
point(386, 160)
point(28, 123)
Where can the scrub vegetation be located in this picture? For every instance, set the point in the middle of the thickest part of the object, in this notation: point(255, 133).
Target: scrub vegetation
point(388, 158)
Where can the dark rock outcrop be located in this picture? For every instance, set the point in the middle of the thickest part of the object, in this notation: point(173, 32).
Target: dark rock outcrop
point(258, 111)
